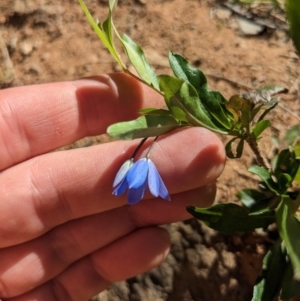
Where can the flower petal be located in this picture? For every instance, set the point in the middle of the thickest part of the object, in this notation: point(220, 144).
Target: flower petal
point(121, 174)
point(121, 187)
point(136, 194)
point(137, 174)
point(155, 183)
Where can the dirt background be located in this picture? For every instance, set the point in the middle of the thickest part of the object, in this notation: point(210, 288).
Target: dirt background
point(50, 40)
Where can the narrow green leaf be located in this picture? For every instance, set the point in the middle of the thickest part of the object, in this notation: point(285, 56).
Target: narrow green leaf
point(267, 111)
point(290, 287)
point(228, 148)
point(138, 60)
point(293, 15)
point(154, 111)
point(289, 229)
point(292, 134)
point(107, 25)
point(238, 151)
point(297, 176)
point(144, 126)
point(256, 110)
point(260, 127)
point(216, 103)
point(230, 218)
point(296, 149)
point(106, 40)
point(265, 176)
point(285, 167)
point(253, 199)
point(268, 283)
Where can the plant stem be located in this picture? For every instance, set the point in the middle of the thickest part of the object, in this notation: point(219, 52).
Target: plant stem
point(138, 147)
point(254, 147)
point(141, 80)
point(148, 152)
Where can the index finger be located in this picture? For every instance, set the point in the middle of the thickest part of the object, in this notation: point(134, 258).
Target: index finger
point(37, 119)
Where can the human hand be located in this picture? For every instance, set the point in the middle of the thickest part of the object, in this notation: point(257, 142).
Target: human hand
point(63, 235)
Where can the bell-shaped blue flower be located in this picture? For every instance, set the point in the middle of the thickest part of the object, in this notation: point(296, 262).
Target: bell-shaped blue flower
point(135, 177)
point(120, 183)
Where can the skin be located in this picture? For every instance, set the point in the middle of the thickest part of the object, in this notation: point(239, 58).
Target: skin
point(63, 235)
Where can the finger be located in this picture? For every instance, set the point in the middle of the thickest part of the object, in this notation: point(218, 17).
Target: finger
point(49, 255)
point(40, 118)
point(141, 250)
point(61, 186)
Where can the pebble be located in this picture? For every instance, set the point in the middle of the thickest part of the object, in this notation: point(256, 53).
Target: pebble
point(248, 27)
point(26, 47)
point(223, 13)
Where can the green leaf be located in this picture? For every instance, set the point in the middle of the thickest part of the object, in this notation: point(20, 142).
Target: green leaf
point(268, 283)
point(293, 15)
point(290, 287)
point(216, 103)
point(241, 109)
point(260, 127)
point(169, 85)
point(230, 218)
point(296, 149)
point(138, 60)
point(107, 25)
point(285, 167)
point(256, 110)
point(154, 111)
point(297, 176)
point(289, 229)
point(292, 134)
point(183, 70)
point(253, 199)
point(105, 37)
point(265, 176)
point(267, 111)
point(189, 100)
point(144, 126)
point(238, 151)
point(183, 102)
point(213, 101)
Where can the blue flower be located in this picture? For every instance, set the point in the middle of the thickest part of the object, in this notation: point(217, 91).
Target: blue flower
point(135, 177)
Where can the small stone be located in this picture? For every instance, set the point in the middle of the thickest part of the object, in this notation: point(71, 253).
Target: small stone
point(25, 7)
point(248, 27)
point(223, 13)
point(26, 47)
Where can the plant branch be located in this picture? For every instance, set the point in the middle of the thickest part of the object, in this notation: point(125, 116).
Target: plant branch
point(141, 80)
point(254, 147)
